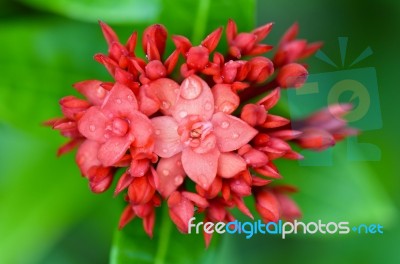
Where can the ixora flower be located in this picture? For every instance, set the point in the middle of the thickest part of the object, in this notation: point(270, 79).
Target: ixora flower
point(190, 131)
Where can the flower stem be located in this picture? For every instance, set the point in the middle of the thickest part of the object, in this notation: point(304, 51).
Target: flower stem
point(165, 234)
point(200, 22)
point(248, 94)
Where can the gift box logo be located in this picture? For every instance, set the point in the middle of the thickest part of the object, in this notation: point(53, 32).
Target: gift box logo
point(345, 85)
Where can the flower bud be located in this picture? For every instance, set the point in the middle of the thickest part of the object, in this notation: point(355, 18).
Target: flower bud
point(292, 75)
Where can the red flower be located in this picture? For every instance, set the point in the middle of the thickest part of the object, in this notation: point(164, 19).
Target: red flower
point(196, 132)
point(161, 126)
point(116, 125)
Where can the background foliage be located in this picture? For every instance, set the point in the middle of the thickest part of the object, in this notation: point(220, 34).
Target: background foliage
point(48, 215)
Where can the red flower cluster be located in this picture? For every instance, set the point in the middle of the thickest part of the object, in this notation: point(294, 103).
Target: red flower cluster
point(194, 128)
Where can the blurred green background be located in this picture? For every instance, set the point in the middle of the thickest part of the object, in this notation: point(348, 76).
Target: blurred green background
point(48, 214)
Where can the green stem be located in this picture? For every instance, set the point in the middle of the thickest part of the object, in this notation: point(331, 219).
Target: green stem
point(200, 22)
point(165, 234)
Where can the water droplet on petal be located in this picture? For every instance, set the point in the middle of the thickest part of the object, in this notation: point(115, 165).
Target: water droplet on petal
point(92, 128)
point(165, 150)
point(191, 88)
point(158, 132)
point(208, 106)
point(183, 114)
point(165, 105)
point(179, 163)
point(106, 135)
point(225, 124)
point(100, 92)
point(130, 97)
point(118, 101)
point(165, 172)
point(178, 180)
point(235, 135)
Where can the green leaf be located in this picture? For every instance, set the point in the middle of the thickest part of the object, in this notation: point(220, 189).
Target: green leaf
point(196, 19)
point(117, 12)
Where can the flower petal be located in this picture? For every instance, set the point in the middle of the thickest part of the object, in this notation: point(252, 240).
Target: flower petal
point(230, 164)
point(141, 128)
point(92, 90)
point(120, 101)
point(92, 124)
point(201, 168)
point(167, 141)
point(113, 150)
point(86, 156)
point(166, 91)
point(231, 132)
point(224, 98)
point(170, 175)
point(195, 98)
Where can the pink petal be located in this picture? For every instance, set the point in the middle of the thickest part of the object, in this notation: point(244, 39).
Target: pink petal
point(108, 33)
point(181, 210)
point(92, 90)
point(170, 175)
point(147, 104)
point(231, 132)
point(167, 141)
point(267, 206)
point(201, 168)
point(127, 215)
point(253, 114)
point(224, 98)
point(92, 124)
point(271, 99)
point(166, 91)
point(230, 164)
point(141, 129)
point(195, 99)
point(86, 157)
point(196, 199)
point(113, 150)
point(120, 101)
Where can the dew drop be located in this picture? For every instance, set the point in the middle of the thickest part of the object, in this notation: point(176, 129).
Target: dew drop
point(178, 180)
point(190, 88)
point(158, 132)
point(225, 124)
point(106, 136)
point(183, 114)
point(92, 128)
point(179, 163)
point(130, 97)
point(165, 172)
point(165, 150)
point(118, 101)
point(165, 105)
point(208, 106)
point(100, 92)
point(235, 135)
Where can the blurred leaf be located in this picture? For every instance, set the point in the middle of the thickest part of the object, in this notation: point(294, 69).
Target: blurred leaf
point(345, 191)
point(196, 19)
point(121, 12)
point(41, 196)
